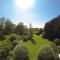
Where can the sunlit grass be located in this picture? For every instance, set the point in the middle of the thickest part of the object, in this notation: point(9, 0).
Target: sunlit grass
point(34, 48)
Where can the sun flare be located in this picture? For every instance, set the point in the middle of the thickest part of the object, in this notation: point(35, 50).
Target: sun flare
point(24, 4)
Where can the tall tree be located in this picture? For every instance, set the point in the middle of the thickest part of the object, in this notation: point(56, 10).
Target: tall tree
point(2, 23)
point(30, 32)
point(20, 29)
point(52, 28)
point(8, 26)
point(2, 27)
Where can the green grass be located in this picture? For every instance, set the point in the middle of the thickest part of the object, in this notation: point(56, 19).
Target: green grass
point(34, 48)
point(6, 43)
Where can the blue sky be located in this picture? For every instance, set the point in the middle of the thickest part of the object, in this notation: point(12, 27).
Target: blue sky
point(41, 12)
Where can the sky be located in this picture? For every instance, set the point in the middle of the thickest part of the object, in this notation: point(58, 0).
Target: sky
point(35, 12)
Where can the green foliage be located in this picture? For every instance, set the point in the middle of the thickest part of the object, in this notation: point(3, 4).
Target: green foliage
point(1, 28)
point(8, 29)
point(2, 37)
point(20, 29)
point(40, 31)
point(2, 20)
point(56, 50)
point(30, 32)
point(52, 28)
point(46, 53)
point(18, 37)
point(40, 42)
point(25, 38)
point(33, 48)
point(4, 54)
point(35, 30)
point(13, 45)
point(21, 53)
point(12, 38)
point(57, 41)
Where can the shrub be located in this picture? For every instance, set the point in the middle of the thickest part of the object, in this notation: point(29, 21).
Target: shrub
point(21, 53)
point(57, 41)
point(14, 43)
point(4, 54)
point(12, 38)
point(44, 35)
point(25, 38)
point(46, 53)
point(2, 37)
point(40, 31)
point(58, 47)
point(56, 50)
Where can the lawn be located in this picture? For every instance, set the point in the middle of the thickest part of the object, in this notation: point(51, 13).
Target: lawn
point(6, 43)
point(34, 48)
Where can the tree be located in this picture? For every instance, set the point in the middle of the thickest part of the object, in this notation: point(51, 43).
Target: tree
point(30, 32)
point(2, 27)
point(35, 30)
point(21, 53)
point(20, 29)
point(46, 53)
point(2, 20)
point(52, 28)
point(8, 26)
point(40, 31)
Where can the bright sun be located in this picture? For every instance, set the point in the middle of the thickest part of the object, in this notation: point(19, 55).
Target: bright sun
point(24, 4)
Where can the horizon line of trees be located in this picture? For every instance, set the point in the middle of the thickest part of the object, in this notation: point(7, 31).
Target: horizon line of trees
point(7, 27)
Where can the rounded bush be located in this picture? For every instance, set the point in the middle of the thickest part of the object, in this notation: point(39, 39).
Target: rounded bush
point(25, 38)
point(4, 54)
point(13, 45)
point(12, 38)
point(21, 53)
point(57, 41)
point(46, 53)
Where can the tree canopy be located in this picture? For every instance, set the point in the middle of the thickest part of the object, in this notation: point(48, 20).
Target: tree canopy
point(52, 28)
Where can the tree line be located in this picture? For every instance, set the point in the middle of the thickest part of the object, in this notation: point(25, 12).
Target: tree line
point(7, 27)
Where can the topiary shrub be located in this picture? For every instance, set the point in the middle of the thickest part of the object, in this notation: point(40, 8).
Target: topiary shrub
point(21, 53)
point(46, 53)
point(12, 38)
point(57, 41)
point(4, 54)
point(25, 38)
point(13, 45)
